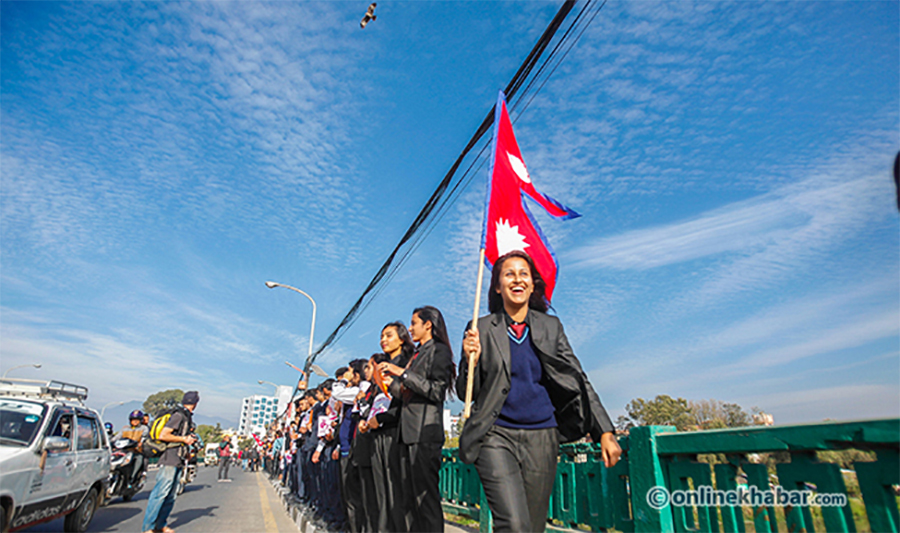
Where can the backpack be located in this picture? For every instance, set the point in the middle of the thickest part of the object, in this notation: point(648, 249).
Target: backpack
point(154, 447)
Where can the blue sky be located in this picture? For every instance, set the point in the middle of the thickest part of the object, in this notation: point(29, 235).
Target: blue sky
point(740, 240)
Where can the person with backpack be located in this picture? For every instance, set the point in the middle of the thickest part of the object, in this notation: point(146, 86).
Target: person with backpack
point(224, 460)
point(176, 438)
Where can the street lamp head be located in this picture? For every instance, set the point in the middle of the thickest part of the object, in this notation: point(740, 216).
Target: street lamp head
point(260, 382)
point(36, 365)
point(317, 370)
point(271, 284)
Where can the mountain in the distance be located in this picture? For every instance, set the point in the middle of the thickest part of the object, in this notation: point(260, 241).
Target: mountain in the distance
point(118, 415)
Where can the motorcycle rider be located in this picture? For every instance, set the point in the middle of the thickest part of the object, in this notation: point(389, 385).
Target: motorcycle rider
point(138, 432)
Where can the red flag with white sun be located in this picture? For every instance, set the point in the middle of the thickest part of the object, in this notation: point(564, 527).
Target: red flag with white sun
point(508, 224)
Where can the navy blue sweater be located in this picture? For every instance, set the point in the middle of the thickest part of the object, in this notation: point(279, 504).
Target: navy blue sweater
point(528, 404)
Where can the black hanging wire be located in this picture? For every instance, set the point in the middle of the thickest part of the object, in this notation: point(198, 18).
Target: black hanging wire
point(439, 201)
point(465, 180)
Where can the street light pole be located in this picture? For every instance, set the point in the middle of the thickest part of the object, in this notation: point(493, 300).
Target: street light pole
point(103, 411)
point(312, 327)
point(35, 365)
point(270, 383)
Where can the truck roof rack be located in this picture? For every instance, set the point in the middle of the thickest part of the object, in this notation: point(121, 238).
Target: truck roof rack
point(35, 388)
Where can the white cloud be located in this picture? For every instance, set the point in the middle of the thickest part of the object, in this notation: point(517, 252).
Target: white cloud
point(842, 402)
point(744, 357)
point(748, 225)
point(215, 118)
point(761, 242)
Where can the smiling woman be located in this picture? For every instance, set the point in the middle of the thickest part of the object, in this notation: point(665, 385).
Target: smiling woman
point(529, 393)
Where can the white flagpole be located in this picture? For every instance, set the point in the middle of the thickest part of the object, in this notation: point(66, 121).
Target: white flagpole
point(469, 381)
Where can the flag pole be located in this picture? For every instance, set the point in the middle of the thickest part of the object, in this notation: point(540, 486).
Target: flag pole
point(471, 375)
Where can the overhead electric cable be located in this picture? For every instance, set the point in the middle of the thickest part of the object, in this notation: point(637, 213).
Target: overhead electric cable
point(440, 199)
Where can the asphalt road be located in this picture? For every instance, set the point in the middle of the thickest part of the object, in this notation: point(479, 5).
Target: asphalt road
point(247, 504)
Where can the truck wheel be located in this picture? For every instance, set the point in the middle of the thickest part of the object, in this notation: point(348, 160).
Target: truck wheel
point(3, 527)
point(78, 520)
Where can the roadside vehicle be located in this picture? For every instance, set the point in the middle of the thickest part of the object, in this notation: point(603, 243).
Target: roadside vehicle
point(211, 455)
point(54, 455)
point(124, 454)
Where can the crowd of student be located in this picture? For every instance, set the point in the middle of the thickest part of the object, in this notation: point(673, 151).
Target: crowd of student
point(363, 450)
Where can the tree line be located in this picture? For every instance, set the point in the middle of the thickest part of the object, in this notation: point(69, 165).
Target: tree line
point(685, 415)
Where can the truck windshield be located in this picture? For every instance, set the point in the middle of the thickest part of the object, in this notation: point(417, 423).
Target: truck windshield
point(19, 421)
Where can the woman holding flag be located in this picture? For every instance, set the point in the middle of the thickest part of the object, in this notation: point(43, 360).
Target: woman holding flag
point(529, 391)
point(524, 388)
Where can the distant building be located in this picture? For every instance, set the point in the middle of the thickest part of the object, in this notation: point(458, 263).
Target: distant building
point(763, 419)
point(257, 412)
point(451, 424)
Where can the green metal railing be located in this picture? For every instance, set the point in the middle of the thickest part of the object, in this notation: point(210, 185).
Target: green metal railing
point(588, 496)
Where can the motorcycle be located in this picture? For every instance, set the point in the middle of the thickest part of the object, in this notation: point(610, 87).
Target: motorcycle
point(124, 454)
point(189, 471)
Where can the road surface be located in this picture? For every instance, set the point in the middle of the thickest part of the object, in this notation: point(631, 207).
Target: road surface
point(249, 504)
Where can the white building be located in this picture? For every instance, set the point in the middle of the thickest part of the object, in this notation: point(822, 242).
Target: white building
point(258, 411)
point(451, 424)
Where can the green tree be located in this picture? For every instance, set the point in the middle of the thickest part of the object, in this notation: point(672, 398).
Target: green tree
point(735, 417)
point(209, 434)
point(157, 403)
point(683, 414)
point(715, 414)
point(623, 423)
point(660, 411)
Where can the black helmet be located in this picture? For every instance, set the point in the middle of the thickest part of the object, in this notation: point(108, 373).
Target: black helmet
point(136, 415)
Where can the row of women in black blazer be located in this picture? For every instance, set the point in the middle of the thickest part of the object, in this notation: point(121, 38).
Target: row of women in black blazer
point(402, 445)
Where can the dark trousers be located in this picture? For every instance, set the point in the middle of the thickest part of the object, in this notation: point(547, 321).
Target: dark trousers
point(290, 474)
point(331, 473)
point(318, 488)
point(388, 478)
point(351, 494)
point(517, 468)
point(300, 489)
point(369, 519)
point(224, 462)
point(306, 473)
point(422, 494)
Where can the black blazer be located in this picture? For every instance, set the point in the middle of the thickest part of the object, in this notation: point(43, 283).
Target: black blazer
point(578, 408)
point(391, 418)
point(426, 380)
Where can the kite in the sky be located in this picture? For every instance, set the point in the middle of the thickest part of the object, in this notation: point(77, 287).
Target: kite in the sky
point(369, 16)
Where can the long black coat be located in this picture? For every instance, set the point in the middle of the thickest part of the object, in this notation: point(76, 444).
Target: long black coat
point(427, 380)
point(579, 411)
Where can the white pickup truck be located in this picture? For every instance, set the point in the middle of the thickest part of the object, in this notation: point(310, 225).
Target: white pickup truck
point(54, 455)
point(211, 454)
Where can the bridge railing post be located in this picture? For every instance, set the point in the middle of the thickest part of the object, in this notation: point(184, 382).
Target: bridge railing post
point(646, 472)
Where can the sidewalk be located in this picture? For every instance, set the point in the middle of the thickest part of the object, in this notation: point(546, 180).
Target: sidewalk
point(302, 516)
